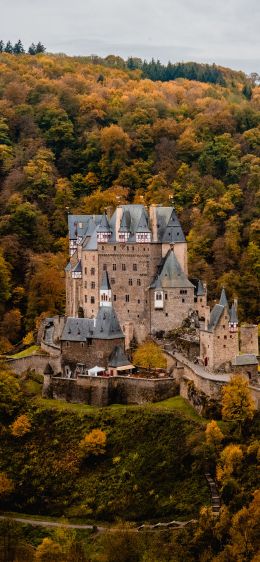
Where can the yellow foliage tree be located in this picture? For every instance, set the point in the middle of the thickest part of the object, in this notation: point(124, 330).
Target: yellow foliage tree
point(230, 459)
point(149, 356)
point(49, 551)
point(213, 434)
point(94, 443)
point(6, 485)
point(28, 339)
point(21, 426)
point(237, 402)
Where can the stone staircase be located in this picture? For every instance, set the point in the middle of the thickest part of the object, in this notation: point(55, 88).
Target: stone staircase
point(215, 497)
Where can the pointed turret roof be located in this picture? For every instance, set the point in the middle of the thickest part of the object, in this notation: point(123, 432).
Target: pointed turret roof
point(233, 314)
point(104, 225)
point(173, 231)
point(200, 289)
point(143, 223)
point(118, 357)
point(223, 298)
point(105, 285)
point(171, 274)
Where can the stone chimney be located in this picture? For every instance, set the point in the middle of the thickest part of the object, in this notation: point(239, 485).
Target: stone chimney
point(153, 222)
point(119, 213)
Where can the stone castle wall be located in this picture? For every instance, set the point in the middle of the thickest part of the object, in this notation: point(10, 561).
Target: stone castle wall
point(90, 355)
point(249, 339)
point(103, 391)
point(34, 362)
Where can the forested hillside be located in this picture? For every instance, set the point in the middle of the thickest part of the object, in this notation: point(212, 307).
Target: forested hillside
point(77, 136)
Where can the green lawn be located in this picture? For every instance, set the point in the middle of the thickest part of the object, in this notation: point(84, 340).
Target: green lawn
point(180, 404)
point(28, 351)
point(176, 403)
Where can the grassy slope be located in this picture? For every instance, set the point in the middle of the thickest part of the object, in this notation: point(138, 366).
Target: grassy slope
point(150, 469)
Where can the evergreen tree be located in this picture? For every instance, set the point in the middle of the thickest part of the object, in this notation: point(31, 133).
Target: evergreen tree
point(9, 47)
point(40, 48)
point(18, 48)
point(2, 45)
point(32, 49)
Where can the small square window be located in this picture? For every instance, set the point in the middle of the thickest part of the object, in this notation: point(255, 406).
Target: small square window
point(183, 300)
point(86, 298)
point(114, 297)
point(166, 296)
point(139, 282)
point(93, 285)
point(166, 313)
point(130, 282)
point(123, 267)
point(114, 266)
point(127, 298)
point(92, 300)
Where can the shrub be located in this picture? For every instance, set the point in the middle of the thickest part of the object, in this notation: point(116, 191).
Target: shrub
point(21, 426)
point(94, 443)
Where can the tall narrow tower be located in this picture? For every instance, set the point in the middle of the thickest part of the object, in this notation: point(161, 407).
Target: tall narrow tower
point(105, 291)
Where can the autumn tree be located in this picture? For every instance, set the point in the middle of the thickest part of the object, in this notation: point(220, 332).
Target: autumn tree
point(94, 443)
point(149, 356)
point(10, 393)
point(237, 402)
point(6, 485)
point(214, 435)
point(230, 459)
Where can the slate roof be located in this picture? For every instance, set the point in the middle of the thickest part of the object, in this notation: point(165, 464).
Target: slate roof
point(246, 359)
point(75, 220)
point(200, 289)
point(68, 267)
point(77, 268)
point(78, 329)
point(125, 222)
point(223, 298)
point(143, 223)
point(170, 274)
point(118, 358)
point(105, 326)
point(215, 316)
point(105, 284)
point(134, 219)
point(104, 225)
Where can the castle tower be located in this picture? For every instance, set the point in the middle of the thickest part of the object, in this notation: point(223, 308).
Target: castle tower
point(233, 319)
point(105, 291)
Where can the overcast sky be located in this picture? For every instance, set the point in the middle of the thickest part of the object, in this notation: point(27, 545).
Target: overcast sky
point(224, 31)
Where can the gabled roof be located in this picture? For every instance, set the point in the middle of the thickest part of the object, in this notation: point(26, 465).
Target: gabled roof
point(171, 274)
point(104, 225)
point(118, 358)
point(143, 223)
point(105, 285)
point(169, 226)
point(223, 298)
point(107, 324)
point(79, 224)
point(215, 316)
point(233, 315)
point(78, 329)
point(104, 327)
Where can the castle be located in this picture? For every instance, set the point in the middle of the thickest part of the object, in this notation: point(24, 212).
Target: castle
point(127, 278)
point(144, 253)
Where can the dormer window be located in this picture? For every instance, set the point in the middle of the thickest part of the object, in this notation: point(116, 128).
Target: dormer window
point(123, 236)
point(103, 236)
point(144, 237)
